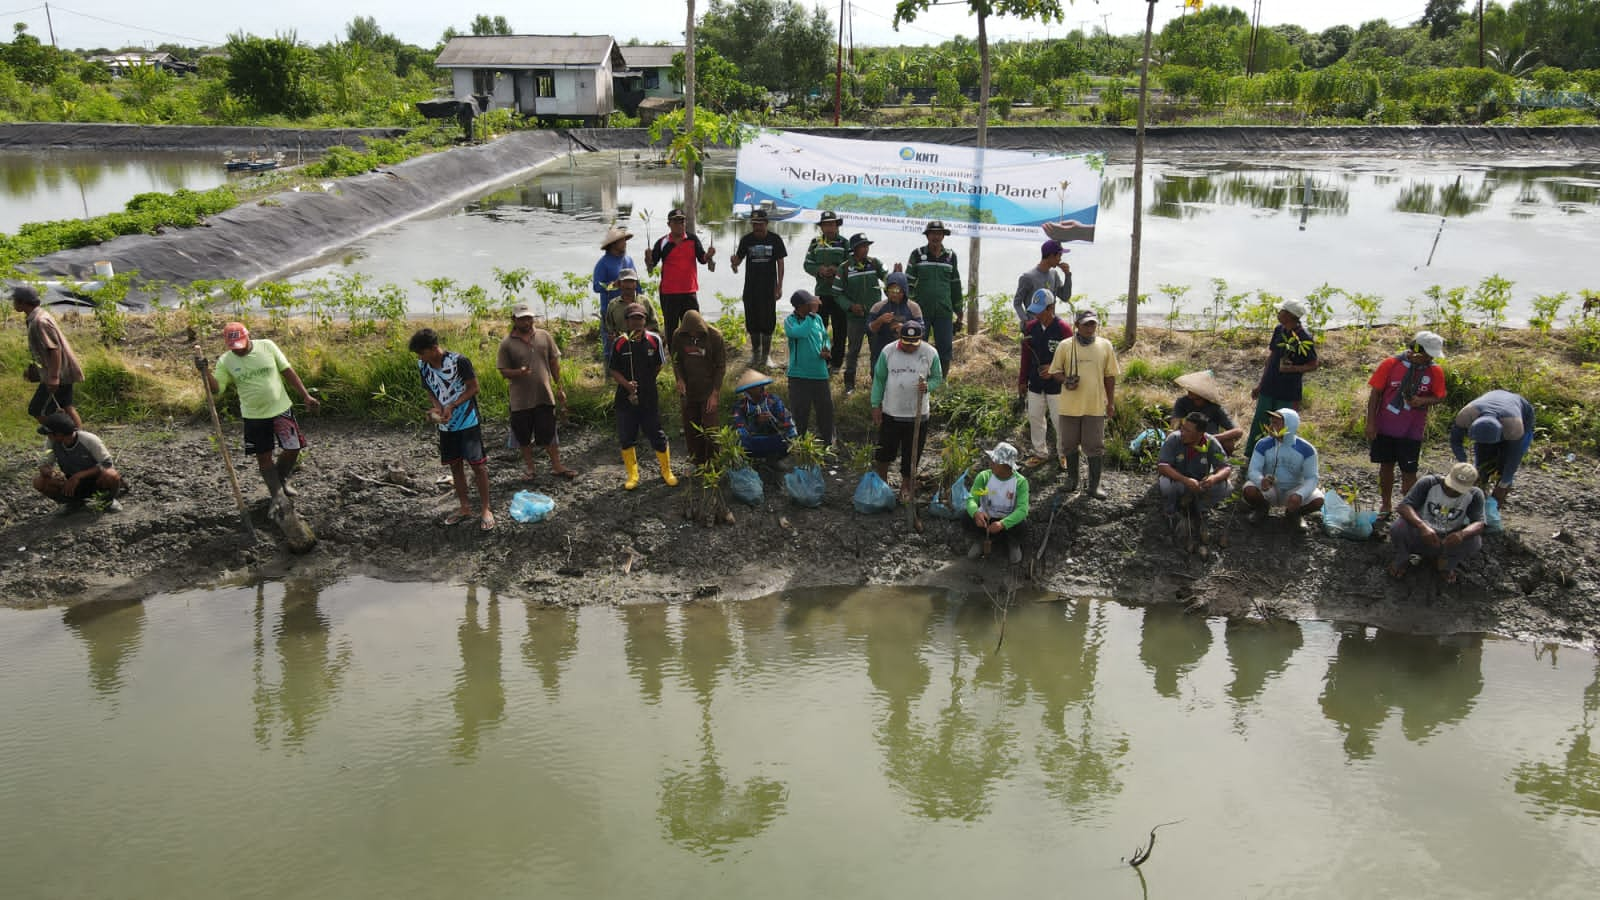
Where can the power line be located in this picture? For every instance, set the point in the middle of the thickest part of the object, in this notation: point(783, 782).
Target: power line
point(181, 37)
point(914, 25)
point(17, 12)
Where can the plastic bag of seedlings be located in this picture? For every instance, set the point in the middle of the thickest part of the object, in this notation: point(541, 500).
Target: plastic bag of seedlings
point(531, 506)
point(805, 486)
point(1340, 519)
point(745, 484)
point(1492, 522)
point(873, 495)
point(950, 504)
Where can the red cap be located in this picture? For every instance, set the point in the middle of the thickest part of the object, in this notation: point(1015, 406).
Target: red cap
point(237, 336)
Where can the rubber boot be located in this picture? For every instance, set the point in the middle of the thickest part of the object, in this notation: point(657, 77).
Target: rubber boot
point(1072, 471)
point(755, 351)
point(1095, 463)
point(285, 468)
point(766, 350)
point(664, 457)
point(630, 461)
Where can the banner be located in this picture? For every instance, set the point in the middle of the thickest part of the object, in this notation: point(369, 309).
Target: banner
point(901, 187)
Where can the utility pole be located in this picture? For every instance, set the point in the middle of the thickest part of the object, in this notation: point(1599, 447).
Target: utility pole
point(51, 25)
point(1255, 26)
point(838, 66)
point(1480, 33)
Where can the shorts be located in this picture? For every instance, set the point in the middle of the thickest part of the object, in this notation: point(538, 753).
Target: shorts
point(283, 430)
point(44, 403)
point(87, 488)
point(1277, 498)
point(1404, 451)
point(466, 444)
point(536, 425)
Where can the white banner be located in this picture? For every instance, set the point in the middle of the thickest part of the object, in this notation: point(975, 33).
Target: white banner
point(901, 187)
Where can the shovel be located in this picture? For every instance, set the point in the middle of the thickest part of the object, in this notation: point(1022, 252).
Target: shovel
point(222, 444)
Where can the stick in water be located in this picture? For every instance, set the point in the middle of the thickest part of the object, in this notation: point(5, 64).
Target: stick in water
point(1140, 854)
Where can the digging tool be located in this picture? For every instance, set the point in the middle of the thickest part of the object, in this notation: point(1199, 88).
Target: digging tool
point(911, 483)
point(222, 444)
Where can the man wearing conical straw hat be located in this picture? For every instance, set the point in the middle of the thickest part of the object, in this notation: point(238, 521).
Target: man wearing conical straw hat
point(1204, 396)
point(765, 426)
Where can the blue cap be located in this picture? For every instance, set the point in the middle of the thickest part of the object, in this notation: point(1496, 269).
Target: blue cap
point(1485, 430)
point(913, 328)
point(1041, 299)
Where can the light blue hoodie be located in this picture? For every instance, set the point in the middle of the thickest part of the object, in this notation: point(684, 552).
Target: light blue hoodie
point(1290, 460)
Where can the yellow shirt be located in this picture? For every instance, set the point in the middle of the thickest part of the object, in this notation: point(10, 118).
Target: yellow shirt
point(1093, 364)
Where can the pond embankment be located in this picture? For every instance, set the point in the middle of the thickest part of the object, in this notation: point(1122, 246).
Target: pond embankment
point(240, 138)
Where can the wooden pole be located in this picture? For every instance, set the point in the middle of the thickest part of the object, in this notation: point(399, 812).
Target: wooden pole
point(227, 458)
point(1130, 327)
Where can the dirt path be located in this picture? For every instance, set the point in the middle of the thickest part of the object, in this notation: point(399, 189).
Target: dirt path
point(179, 529)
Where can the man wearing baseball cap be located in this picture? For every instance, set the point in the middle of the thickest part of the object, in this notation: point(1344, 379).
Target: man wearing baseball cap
point(935, 277)
point(825, 254)
point(679, 254)
point(808, 366)
point(617, 313)
point(1086, 365)
point(1403, 387)
point(611, 263)
point(259, 370)
point(531, 363)
point(1500, 424)
point(765, 252)
point(78, 468)
point(55, 367)
point(1442, 519)
point(1292, 352)
point(906, 372)
point(1051, 274)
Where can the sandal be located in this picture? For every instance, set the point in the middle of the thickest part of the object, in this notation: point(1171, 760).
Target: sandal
point(1397, 572)
point(455, 518)
point(528, 475)
point(1450, 577)
point(568, 474)
point(487, 523)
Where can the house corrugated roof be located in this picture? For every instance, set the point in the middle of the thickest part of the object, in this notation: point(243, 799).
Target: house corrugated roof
point(527, 50)
point(642, 57)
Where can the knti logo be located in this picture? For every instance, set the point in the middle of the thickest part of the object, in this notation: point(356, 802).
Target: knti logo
point(909, 154)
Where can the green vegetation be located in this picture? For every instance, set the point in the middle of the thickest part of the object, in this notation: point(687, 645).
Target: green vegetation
point(144, 214)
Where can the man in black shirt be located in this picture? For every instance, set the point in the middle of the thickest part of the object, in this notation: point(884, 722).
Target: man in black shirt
point(1205, 397)
point(763, 285)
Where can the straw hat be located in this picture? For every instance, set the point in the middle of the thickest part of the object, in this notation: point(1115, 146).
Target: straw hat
point(1202, 383)
point(614, 234)
point(751, 378)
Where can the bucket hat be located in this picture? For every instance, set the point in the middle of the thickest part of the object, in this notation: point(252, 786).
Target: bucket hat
point(1461, 478)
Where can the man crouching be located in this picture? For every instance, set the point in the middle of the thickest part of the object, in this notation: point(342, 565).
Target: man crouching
point(79, 467)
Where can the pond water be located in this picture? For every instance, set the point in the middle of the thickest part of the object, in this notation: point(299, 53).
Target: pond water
point(38, 186)
point(382, 740)
point(1285, 225)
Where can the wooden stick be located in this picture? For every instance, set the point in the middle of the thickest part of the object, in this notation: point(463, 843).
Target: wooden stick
point(911, 486)
point(227, 459)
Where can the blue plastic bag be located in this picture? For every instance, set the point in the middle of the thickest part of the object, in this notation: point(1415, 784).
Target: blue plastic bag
point(805, 486)
point(531, 506)
point(1152, 436)
point(1340, 519)
point(745, 483)
point(957, 507)
point(873, 495)
point(1492, 522)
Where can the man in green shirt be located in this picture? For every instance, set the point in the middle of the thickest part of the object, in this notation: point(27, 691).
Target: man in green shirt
point(259, 369)
point(824, 256)
point(856, 290)
point(936, 287)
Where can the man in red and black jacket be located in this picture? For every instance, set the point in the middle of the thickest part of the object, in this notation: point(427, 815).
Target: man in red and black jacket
point(678, 253)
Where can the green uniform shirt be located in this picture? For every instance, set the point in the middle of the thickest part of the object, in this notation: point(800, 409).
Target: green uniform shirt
point(858, 283)
point(935, 282)
point(823, 252)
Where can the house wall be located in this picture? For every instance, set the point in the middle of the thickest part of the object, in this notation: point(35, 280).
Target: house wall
point(504, 94)
point(579, 92)
point(667, 87)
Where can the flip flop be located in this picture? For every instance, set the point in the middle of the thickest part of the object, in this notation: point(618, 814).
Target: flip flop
point(487, 523)
point(568, 474)
point(455, 518)
point(528, 475)
point(1398, 574)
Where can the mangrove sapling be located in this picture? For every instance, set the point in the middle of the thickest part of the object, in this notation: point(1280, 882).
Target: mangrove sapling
point(389, 304)
point(109, 316)
point(477, 304)
point(439, 290)
point(1491, 298)
point(1174, 294)
point(511, 282)
point(1320, 304)
point(1545, 309)
point(706, 501)
point(279, 300)
point(1449, 309)
point(999, 319)
point(1365, 307)
point(1263, 313)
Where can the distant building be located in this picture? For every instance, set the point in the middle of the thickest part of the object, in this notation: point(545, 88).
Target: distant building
point(647, 76)
point(546, 76)
point(121, 64)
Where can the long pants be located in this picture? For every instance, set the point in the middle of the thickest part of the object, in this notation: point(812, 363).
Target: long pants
point(1039, 406)
point(1017, 533)
point(1503, 458)
point(1172, 492)
point(856, 331)
point(943, 330)
point(807, 394)
point(766, 446)
point(673, 306)
point(835, 318)
point(605, 334)
point(1408, 540)
point(633, 419)
point(697, 428)
point(1265, 406)
point(894, 439)
point(1088, 432)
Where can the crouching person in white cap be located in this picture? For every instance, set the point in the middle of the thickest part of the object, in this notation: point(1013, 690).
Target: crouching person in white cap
point(1441, 519)
point(997, 508)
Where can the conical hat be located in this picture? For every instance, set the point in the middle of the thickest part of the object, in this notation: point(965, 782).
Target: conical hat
point(614, 234)
point(1202, 383)
point(751, 378)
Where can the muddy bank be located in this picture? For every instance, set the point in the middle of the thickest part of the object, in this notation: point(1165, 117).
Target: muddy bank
point(179, 529)
point(1119, 141)
point(262, 239)
point(103, 136)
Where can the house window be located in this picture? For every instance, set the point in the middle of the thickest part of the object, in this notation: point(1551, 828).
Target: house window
point(544, 84)
point(652, 79)
point(483, 81)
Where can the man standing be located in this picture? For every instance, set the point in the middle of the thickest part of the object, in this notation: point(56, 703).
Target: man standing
point(901, 381)
point(636, 359)
point(78, 468)
point(449, 377)
point(1194, 473)
point(997, 507)
point(936, 286)
point(1086, 366)
point(1441, 518)
point(808, 366)
point(55, 367)
point(258, 369)
point(617, 313)
point(699, 363)
point(1051, 274)
point(531, 364)
point(1291, 354)
point(1041, 337)
point(612, 262)
point(1500, 424)
point(1402, 389)
point(894, 310)
point(1283, 472)
point(855, 290)
point(679, 254)
point(763, 285)
point(823, 257)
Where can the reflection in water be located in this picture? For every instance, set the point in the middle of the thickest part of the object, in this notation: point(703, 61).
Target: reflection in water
point(647, 646)
point(1450, 201)
point(37, 187)
point(1258, 651)
point(1433, 681)
point(700, 808)
point(1171, 644)
point(1573, 785)
point(1182, 195)
point(548, 646)
point(111, 631)
point(480, 694)
point(309, 670)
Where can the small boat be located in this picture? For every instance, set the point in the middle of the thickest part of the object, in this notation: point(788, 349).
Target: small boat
point(253, 163)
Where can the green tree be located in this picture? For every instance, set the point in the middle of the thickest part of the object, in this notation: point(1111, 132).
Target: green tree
point(776, 44)
point(31, 61)
point(1441, 17)
point(483, 25)
point(717, 82)
point(274, 75)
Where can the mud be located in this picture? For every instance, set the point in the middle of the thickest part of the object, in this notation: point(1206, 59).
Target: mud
point(179, 529)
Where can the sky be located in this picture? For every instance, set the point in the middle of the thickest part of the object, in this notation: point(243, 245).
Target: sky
point(103, 23)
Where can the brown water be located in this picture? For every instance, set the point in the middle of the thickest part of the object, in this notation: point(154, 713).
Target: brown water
point(378, 740)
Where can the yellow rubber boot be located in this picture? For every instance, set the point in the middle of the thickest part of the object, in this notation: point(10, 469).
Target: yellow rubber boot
point(665, 458)
point(630, 461)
